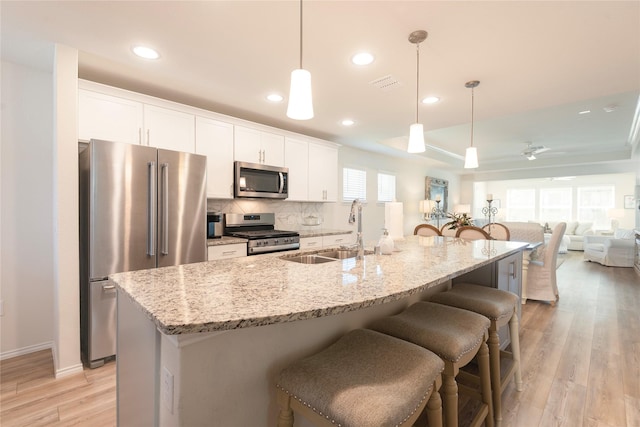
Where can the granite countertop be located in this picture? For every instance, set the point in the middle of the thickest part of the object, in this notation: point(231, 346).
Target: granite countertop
point(265, 289)
point(225, 240)
point(310, 232)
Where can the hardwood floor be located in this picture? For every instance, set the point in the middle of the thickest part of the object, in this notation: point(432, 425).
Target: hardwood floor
point(31, 396)
point(580, 364)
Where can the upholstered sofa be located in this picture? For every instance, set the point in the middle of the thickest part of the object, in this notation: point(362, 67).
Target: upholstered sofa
point(530, 232)
point(576, 232)
point(613, 251)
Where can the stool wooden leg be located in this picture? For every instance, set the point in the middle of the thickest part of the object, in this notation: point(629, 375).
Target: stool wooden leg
point(485, 381)
point(285, 417)
point(514, 332)
point(450, 392)
point(434, 407)
point(494, 355)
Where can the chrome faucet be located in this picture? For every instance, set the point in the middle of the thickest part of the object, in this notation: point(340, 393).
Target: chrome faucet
point(352, 218)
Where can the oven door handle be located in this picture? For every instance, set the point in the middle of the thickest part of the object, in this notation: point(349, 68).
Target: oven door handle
point(281, 182)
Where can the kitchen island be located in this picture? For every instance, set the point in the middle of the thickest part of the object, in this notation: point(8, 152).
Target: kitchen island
point(202, 344)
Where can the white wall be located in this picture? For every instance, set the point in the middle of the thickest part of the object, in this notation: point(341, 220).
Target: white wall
point(410, 189)
point(26, 279)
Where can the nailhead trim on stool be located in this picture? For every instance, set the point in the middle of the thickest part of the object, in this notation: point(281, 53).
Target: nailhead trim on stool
point(456, 336)
point(501, 308)
point(364, 379)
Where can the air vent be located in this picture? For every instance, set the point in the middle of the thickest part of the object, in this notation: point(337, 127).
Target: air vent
point(385, 83)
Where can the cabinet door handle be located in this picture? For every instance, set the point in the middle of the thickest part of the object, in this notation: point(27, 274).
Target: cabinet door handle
point(226, 253)
point(259, 156)
point(312, 243)
point(148, 137)
point(512, 269)
point(139, 136)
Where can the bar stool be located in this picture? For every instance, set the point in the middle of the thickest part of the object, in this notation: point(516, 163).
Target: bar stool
point(365, 379)
point(500, 307)
point(457, 336)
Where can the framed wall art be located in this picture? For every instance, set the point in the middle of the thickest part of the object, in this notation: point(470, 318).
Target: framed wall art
point(629, 202)
point(436, 187)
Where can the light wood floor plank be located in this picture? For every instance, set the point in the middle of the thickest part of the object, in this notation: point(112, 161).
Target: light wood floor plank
point(565, 406)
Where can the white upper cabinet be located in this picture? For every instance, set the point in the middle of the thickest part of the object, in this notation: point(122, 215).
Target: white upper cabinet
point(296, 157)
point(109, 118)
point(255, 146)
point(169, 129)
point(214, 139)
point(323, 173)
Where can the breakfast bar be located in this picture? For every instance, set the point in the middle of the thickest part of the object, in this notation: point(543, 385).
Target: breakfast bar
point(202, 344)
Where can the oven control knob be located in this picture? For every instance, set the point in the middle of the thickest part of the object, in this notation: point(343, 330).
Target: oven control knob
point(275, 241)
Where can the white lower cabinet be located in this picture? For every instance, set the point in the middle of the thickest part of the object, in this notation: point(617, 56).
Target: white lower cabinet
point(311, 243)
point(337, 240)
point(235, 250)
point(320, 242)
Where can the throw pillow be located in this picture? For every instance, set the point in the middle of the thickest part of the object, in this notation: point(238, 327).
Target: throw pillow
point(581, 228)
point(621, 233)
point(571, 227)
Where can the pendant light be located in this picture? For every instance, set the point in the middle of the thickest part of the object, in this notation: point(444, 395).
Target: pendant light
point(416, 131)
point(471, 156)
point(300, 99)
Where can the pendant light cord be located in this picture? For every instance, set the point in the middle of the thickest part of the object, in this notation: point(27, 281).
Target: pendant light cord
point(301, 34)
point(472, 115)
point(417, 77)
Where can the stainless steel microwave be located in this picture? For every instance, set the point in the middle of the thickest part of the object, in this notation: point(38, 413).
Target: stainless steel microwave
point(255, 180)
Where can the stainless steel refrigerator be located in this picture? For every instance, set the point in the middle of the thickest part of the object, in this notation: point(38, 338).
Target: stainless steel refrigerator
point(140, 207)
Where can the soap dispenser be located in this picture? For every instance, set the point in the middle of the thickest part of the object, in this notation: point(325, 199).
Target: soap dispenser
point(386, 243)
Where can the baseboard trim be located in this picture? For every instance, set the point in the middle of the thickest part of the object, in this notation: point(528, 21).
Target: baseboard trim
point(70, 370)
point(26, 350)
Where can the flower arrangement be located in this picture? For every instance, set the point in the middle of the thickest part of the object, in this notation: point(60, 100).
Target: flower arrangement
point(458, 220)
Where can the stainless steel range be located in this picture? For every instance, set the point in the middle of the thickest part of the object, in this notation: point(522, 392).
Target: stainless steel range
point(259, 229)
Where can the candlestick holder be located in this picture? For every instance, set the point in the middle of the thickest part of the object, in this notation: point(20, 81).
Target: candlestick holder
point(490, 212)
point(437, 213)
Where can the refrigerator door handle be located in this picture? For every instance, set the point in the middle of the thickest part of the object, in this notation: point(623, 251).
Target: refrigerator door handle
point(165, 209)
point(151, 209)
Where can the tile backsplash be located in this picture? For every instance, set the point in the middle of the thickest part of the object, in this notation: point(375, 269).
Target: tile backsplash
point(289, 215)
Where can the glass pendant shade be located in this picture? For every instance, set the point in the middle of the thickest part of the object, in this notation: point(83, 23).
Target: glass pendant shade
point(471, 158)
point(416, 139)
point(300, 99)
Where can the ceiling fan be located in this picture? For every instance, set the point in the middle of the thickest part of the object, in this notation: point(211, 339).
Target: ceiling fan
point(532, 150)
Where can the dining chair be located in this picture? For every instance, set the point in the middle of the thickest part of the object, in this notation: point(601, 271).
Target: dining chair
point(426, 230)
point(541, 272)
point(497, 231)
point(446, 231)
point(470, 232)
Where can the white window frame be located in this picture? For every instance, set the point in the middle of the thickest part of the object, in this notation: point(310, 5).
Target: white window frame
point(595, 213)
point(386, 187)
point(512, 208)
point(354, 184)
point(562, 203)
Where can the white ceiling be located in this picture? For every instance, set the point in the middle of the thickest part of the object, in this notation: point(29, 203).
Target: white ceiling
point(539, 64)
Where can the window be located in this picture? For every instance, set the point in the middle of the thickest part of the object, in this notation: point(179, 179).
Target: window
point(555, 204)
point(521, 204)
point(386, 187)
point(354, 184)
point(593, 203)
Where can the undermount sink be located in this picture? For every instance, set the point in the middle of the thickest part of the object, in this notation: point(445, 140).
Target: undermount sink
point(309, 259)
point(322, 257)
point(342, 253)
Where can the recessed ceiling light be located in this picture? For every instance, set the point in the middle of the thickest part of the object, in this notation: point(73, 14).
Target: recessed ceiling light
point(347, 122)
point(584, 112)
point(430, 100)
point(145, 52)
point(274, 97)
point(362, 58)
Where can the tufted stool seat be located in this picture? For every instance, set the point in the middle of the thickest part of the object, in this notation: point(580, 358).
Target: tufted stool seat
point(455, 335)
point(364, 379)
point(500, 307)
